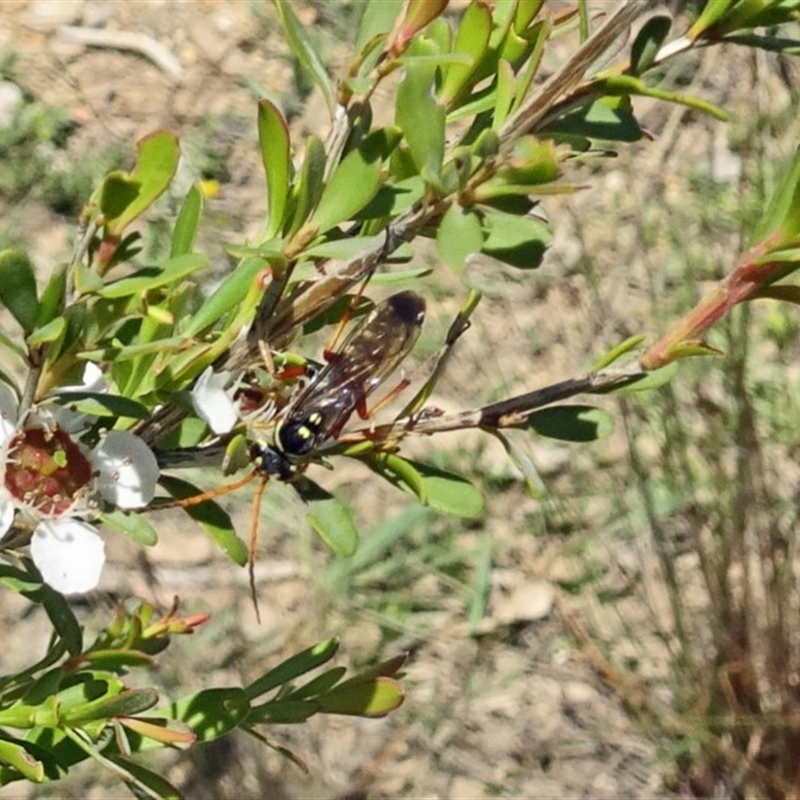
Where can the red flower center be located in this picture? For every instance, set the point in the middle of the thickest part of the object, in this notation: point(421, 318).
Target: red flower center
point(46, 469)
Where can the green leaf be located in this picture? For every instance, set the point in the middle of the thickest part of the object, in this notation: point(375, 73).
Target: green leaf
point(305, 52)
point(472, 39)
point(273, 137)
point(518, 241)
point(148, 278)
point(319, 685)
point(210, 516)
point(212, 713)
point(132, 524)
point(145, 778)
point(125, 196)
point(18, 288)
point(125, 703)
point(16, 756)
point(292, 668)
point(631, 343)
point(310, 183)
point(51, 303)
point(421, 117)
point(399, 472)
point(780, 223)
point(370, 699)
point(230, 294)
point(449, 493)
point(653, 380)
point(330, 519)
point(648, 42)
point(605, 120)
point(376, 18)
point(712, 13)
point(187, 223)
point(100, 404)
point(283, 712)
point(460, 235)
point(572, 423)
point(355, 181)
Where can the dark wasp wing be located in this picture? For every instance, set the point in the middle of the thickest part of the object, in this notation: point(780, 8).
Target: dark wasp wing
point(371, 352)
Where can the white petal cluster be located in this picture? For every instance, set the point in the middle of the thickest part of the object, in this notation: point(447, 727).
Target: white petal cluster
point(66, 548)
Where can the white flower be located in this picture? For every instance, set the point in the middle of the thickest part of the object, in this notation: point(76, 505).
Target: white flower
point(213, 403)
point(48, 479)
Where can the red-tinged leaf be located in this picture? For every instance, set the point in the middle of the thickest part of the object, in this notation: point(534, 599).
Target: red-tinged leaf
point(164, 731)
point(418, 14)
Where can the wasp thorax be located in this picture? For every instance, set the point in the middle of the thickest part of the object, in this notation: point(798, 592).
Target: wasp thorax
point(46, 470)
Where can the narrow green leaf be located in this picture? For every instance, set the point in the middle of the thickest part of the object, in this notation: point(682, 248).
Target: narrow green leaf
point(18, 288)
point(472, 39)
point(292, 668)
point(421, 117)
point(104, 405)
point(61, 617)
point(16, 756)
point(211, 713)
point(449, 493)
point(319, 685)
point(573, 423)
point(125, 196)
point(152, 781)
point(125, 703)
point(355, 181)
point(604, 120)
point(399, 472)
point(712, 13)
point(187, 223)
point(781, 220)
point(51, 303)
point(310, 182)
point(148, 278)
point(371, 699)
point(283, 712)
point(648, 42)
point(653, 380)
point(210, 516)
point(631, 343)
point(518, 241)
point(230, 294)
point(132, 524)
point(460, 235)
point(273, 138)
point(330, 519)
point(376, 18)
point(305, 52)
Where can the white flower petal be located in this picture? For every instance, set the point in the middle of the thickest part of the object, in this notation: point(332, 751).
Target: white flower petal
point(69, 554)
point(127, 468)
point(7, 510)
point(8, 414)
point(212, 403)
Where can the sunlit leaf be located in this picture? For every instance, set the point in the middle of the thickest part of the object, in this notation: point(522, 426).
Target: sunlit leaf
point(125, 196)
point(472, 39)
point(518, 241)
point(421, 117)
point(370, 699)
point(212, 713)
point(273, 137)
point(148, 278)
point(187, 223)
point(330, 519)
point(460, 234)
point(131, 523)
point(15, 755)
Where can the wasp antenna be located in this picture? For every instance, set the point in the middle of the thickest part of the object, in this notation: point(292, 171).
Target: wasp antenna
point(251, 556)
point(196, 499)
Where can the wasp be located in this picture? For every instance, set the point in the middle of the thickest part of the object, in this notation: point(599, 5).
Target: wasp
point(371, 352)
point(316, 416)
